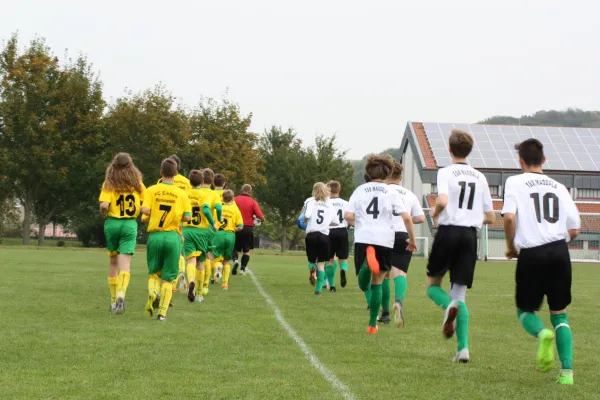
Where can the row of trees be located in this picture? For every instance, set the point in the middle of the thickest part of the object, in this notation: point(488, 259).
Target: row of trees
point(57, 134)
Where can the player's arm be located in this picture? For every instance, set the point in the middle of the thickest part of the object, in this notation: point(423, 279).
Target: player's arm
point(573, 217)
point(418, 216)
point(257, 211)
point(239, 221)
point(309, 211)
point(147, 204)
point(104, 199)
point(442, 199)
point(349, 215)
point(398, 208)
point(187, 212)
point(208, 215)
point(219, 207)
point(334, 220)
point(488, 205)
point(509, 212)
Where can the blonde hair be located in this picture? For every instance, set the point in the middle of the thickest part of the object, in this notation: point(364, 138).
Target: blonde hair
point(320, 191)
point(122, 175)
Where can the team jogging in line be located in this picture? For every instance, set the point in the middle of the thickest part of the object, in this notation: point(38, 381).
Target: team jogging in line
point(201, 234)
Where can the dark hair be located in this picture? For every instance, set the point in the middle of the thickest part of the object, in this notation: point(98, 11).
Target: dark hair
point(195, 177)
point(168, 168)
point(177, 160)
point(531, 151)
point(397, 172)
point(461, 143)
point(379, 167)
point(228, 196)
point(207, 176)
point(334, 187)
point(246, 189)
point(220, 180)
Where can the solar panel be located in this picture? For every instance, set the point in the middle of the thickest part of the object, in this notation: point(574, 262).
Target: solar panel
point(566, 149)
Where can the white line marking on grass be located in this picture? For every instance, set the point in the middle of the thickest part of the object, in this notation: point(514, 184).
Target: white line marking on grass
point(314, 360)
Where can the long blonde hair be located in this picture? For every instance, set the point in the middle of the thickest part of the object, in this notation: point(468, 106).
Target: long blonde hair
point(320, 191)
point(122, 175)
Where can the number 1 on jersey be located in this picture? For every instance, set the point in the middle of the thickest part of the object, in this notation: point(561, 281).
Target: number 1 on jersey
point(461, 197)
point(340, 216)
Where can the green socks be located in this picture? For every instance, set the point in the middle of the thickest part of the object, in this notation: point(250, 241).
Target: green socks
point(375, 303)
point(531, 322)
point(330, 271)
point(312, 265)
point(364, 277)
point(462, 326)
point(564, 340)
point(385, 295)
point(400, 288)
point(368, 297)
point(320, 281)
point(343, 265)
point(438, 296)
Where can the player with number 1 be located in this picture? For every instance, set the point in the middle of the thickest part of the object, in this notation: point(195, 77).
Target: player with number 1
point(122, 193)
point(167, 206)
point(464, 203)
point(338, 238)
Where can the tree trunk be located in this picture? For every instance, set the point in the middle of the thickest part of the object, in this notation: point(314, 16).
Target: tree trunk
point(42, 234)
point(53, 230)
point(283, 237)
point(27, 212)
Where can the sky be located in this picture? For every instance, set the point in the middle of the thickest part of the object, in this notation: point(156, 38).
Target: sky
point(356, 69)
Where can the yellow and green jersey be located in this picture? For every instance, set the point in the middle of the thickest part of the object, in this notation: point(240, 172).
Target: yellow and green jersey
point(181, 182)
point(122, 204)
point(203, 202)
point(218, 199)
point(168, 204)
point(232, 218)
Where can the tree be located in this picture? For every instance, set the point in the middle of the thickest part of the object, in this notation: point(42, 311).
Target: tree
point(150, 126)
point(359, 166)
point(290, 171)
point(572, 117)
point(220, 140)
point(50, 127)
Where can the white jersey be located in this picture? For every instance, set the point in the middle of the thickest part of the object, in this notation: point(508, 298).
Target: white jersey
point(374, 205)
point(341, 206)
point(306, 202)
point(410, 202)
point(544, 208)
point(468, 196)
point(320, 215)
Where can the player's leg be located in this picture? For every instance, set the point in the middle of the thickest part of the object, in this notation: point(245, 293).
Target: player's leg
point(529, 294)
point(208, 263)
point(200, 271)
point(383, 258)
point(229, 244)
point(385, 300)
point(342, 253)
point(311, 255)
point(329, 265)
point(112, 233)
point(248, 245)
point(154, 260)
point(362, 271)
point(127, 242)
point(558, 293)
point(236, 250)
point(170, 269)
point(322, 258)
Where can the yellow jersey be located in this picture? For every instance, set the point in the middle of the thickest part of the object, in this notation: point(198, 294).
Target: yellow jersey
point(122, 204)
point(200, 197)
point(232, 217)
point(181, 182)
point(218, 194)
point(167, 204)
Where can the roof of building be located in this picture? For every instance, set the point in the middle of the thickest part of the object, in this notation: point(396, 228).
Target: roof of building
point(572, 150)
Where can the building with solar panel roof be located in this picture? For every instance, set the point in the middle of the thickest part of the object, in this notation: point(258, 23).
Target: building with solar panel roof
point(573, 158)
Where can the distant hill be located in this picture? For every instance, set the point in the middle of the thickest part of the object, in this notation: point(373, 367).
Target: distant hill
point(572, 117)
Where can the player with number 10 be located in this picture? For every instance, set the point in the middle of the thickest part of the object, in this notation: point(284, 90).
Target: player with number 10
point(464, 203)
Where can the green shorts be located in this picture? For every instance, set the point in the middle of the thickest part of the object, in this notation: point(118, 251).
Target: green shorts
point(223, 244)
point(197, 242)
point(162, 253)
point(121, 235)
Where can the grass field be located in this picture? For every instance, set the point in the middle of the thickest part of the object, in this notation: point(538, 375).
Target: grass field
point(60, 342)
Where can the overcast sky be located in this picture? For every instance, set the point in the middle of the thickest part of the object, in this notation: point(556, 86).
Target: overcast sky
point(359, 69)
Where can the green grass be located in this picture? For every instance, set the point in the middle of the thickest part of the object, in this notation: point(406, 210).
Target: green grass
point(60, 342)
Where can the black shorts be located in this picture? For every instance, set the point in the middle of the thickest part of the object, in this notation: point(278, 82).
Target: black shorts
point(454, 249)
point(338, 239)
point(400, 256)
point(317, 247)
point(244, 239)
point(544, 270)
point(383, 255)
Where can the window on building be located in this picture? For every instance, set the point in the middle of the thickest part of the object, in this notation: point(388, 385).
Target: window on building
point(588, 194)
point(594, 245)
point(495, 191)
point(576, 244)
point(434, 188)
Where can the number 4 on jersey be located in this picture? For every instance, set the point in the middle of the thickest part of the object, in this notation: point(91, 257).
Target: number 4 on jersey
point(373, 207)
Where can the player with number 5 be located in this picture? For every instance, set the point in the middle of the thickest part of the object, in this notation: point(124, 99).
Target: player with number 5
point(167, 206)
point(122, 193)
point(464, 203)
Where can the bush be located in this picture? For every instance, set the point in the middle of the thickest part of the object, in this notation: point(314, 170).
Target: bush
point(60, 243)
point(91, 233)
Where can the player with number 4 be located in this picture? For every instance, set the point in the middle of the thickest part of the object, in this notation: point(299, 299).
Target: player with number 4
point(464, 203)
